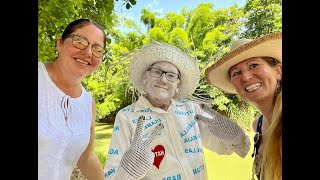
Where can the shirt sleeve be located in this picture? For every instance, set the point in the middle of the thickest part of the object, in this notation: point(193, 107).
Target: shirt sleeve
point(209, 140)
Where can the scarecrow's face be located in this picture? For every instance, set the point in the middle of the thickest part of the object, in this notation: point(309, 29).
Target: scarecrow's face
point(255, 80)
point(161, 88)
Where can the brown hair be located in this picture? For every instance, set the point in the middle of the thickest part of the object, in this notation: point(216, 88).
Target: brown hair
point(79, 23)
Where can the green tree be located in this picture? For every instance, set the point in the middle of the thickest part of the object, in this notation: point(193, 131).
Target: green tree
point(148, 18)
point(263, 17)
point(205, 32)
point(54, 15)
point(202, 32)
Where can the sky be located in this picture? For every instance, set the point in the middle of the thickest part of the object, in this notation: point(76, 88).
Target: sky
point(164, 6)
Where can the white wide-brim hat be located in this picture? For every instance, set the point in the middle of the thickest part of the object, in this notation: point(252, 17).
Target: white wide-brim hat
point(159, 51)
point(266, 46)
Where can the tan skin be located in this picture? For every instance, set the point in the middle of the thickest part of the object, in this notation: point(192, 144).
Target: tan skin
point(67, 72)
point(255, 81)
point(89, 163)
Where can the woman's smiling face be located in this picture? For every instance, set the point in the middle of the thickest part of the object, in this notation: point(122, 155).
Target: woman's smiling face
point(255, 79)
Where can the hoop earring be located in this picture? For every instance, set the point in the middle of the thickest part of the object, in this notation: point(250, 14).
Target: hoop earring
point(242, 104)
point(278, 88)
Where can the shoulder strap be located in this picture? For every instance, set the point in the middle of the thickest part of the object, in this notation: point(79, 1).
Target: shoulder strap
point(257, 137)
point(259, 124)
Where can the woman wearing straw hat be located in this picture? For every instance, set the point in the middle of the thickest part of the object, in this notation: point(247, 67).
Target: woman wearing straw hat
point(157, 137)
point(253, 70)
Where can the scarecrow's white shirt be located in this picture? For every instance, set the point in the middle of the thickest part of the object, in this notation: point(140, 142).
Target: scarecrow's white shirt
point(179, 142)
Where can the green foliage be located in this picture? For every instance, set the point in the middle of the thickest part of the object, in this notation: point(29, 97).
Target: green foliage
point(212, 29)
point(132, 40)
point(214, 39)
point(179, 38)
point(129, 3)
point(263, 17)
point(163, 24)
point(157, 34)
point(201, 22)
point(175, 20)
point(54, 15)
point(205, 32)
point(148, 18)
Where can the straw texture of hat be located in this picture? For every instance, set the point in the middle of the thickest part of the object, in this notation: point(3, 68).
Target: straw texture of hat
point(269, 45)
point(158, 51)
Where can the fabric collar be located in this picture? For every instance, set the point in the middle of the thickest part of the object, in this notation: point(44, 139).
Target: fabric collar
point(143, 104)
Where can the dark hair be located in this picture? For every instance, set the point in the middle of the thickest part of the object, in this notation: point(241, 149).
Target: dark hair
point(270, 60)
point(150, 67)
point(79, 23)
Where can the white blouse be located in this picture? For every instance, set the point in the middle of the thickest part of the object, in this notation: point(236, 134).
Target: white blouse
point(63, 128)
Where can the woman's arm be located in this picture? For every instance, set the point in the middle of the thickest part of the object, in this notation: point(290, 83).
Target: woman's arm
point(89, 163)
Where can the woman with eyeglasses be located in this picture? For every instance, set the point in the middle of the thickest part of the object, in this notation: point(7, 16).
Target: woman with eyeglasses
point(66, 111)
point(157, 137)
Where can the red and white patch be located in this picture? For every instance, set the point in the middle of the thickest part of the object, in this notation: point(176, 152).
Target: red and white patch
point(159, 153)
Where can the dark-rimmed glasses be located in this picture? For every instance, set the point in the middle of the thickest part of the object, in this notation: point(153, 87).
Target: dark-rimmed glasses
point(157, 73)
point(82, 43)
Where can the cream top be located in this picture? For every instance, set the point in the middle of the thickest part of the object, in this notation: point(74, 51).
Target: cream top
point(63, 128)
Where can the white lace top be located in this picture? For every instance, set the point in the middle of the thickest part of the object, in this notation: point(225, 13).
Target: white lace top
point(63, 128)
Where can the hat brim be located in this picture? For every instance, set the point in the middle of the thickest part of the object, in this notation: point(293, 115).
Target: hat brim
point(266, 46)
point(152, 53)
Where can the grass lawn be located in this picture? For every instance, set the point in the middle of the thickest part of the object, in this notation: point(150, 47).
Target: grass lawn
point(219, 167)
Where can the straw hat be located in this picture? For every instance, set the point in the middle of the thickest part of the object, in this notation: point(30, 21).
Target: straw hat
point(156, 52)
point(269, 45)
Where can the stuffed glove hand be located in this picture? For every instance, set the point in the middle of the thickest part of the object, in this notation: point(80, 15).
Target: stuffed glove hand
point(138, 159)
point(225, 129)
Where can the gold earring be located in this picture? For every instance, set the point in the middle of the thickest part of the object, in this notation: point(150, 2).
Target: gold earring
point(242, 104)
point(278, 88)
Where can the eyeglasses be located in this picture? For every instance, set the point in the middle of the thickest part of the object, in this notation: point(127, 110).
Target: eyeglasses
point(157, 73)
point(82, 43)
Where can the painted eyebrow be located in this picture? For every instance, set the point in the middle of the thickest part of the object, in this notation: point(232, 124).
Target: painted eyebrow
point(164, 70)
